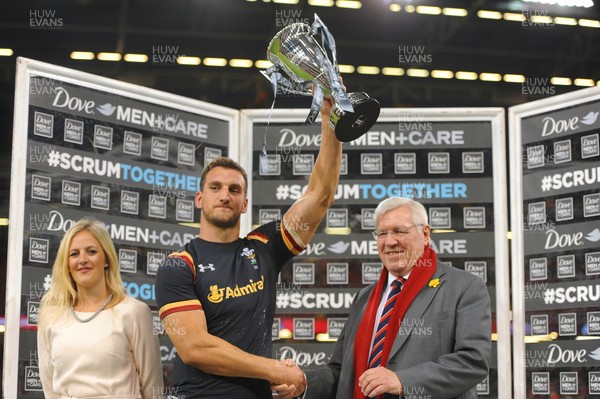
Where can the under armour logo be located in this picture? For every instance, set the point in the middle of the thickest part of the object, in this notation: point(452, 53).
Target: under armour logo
point(203, 268)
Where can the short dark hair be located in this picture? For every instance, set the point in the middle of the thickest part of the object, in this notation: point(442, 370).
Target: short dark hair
point(227, 163)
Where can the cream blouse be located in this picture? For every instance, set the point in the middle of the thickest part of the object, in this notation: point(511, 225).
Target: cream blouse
point(114, 355)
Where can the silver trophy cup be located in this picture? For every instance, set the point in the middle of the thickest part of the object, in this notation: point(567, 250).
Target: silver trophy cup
point(298, 54)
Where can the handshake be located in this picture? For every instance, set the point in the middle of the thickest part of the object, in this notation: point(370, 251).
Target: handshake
point(290, 380)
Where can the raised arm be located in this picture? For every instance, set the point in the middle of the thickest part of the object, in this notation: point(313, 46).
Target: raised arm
point(305, 215)
point(213, 355)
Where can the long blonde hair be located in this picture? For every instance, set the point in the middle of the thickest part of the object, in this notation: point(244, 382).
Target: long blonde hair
point(63, 290)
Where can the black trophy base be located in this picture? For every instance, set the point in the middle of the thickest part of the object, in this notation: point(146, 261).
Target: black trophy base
point(351, 125)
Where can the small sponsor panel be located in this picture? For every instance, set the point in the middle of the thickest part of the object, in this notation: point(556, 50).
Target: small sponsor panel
point(569, 383)
point(39, 250)
point(159, 149)
point(304, 328)
point(100, 197)
point(562, 151)
point(367, 218)
point(337, 218)
point(157, 206)
point(127, 260)
point(536, 156)
point(405, 163)
point(71, 193)
point(567, 324)
point(538, 269)
point(474, 217)
point(132, 143)
point(186, 154)
point(130, 202)
point(472, 162)
point(73, 132)
point(371, 164)
point(335, 325)
point(337, 273)
point(540, 383)
point(590, 146)
point(565, 266)
point(184, 210)
point(440, 218)
point(43, 124)
point(478, 268)
point(563, 208)
point(539, 324)
point(439, 162)
point(41, 187)
point(303, 273)
point(536, 213)
point(303, 164)
point(103, 137)
point(371, 272)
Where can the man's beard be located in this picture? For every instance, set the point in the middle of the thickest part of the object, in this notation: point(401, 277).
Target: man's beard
point(223, 223)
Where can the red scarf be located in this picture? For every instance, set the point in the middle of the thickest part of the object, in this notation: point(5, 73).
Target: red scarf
point(420, 275)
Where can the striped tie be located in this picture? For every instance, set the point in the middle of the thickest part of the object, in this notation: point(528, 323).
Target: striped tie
point(378, 342)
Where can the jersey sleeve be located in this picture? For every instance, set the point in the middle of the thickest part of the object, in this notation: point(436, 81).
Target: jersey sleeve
point(175, 285)
point(283, 243)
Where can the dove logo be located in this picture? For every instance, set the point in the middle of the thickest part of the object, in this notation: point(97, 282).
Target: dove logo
point(127, 260)
point(590, 118)
point(551, 126)
point(593, 236)
point(557, 240)
point(568, 383)
point(335, 327)
point(184, 211)
point(539, 324)
point(304, 273)
point(106, 109)
point(339, 247)
point(590, 146)
point(540, 383)
point(157, 206)
point(303, 164)
point(568, 356)
point(593, 321)
point(594, 382)
point(304, 328)
point(64, 100)
point(439, 162)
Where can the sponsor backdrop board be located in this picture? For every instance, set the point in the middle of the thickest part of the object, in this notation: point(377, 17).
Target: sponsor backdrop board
point(87, 146)
point(555, 176)
point(451, 160)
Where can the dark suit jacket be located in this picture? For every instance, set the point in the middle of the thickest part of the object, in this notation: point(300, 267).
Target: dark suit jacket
point(442, 349)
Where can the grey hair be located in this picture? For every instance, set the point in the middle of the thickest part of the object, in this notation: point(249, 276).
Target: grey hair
point(419, 214)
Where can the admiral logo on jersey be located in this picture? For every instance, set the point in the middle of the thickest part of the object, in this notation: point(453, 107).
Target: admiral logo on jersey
point(218, 294)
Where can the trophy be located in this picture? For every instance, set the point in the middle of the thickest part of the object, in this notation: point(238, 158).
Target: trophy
point(301, 64)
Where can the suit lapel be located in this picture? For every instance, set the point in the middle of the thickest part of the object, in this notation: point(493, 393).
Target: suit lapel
point(417, 309)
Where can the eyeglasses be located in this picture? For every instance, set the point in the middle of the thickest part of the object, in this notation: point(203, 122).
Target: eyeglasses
point(397, 233)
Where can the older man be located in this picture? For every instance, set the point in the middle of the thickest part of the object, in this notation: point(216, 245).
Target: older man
point(422, 331)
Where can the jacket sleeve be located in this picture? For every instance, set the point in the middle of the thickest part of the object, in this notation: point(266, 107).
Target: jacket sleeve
point(468, 363)
point(323, 382)
point(45, 362)
point(146, 352)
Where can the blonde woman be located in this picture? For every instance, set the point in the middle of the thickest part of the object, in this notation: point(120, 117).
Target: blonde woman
point(94, 341)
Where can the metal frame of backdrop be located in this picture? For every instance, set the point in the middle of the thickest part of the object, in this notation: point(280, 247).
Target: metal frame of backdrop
point(157, 100)
point(495, 116)
point(547, 107)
